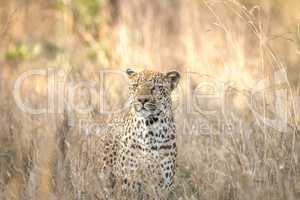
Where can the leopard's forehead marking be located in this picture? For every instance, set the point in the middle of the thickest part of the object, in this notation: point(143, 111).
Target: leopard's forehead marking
point(148, 76)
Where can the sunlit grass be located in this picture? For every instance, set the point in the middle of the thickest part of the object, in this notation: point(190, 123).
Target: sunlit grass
point(225, 150)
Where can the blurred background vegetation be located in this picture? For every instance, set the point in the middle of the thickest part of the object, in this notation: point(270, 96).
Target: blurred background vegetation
point(38, 32)
point(234, 41)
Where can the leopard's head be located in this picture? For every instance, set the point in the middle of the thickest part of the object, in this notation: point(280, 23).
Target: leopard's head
point(150, 92)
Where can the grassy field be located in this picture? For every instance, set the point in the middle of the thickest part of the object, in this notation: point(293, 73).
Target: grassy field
point(237, 105)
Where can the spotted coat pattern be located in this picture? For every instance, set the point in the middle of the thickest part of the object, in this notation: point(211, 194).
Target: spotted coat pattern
point(147, 142)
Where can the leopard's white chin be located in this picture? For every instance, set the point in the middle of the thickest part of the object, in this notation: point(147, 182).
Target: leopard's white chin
point(143, 113)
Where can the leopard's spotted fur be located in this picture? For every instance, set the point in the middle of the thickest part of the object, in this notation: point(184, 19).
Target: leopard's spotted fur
point(149, 138)
point(146, 143)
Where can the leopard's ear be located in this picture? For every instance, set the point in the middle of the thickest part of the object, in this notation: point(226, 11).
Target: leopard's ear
point(130, 72)
point(173, 77)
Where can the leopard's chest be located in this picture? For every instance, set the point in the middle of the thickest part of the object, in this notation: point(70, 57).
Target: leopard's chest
point(149, 143)
point(150, 134)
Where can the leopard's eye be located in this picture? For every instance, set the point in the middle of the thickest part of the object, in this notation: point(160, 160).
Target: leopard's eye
point(157, 87)
point(133, 86)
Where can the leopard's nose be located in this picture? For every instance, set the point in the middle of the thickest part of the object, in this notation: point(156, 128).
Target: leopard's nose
point(142, 100)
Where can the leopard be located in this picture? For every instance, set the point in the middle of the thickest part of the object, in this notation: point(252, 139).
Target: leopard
point(136, 157)
point(142, 152)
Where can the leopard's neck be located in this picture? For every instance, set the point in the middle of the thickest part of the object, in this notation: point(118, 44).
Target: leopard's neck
point(152, 131)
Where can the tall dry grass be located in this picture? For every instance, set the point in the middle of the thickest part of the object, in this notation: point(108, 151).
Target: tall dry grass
point(222, 48)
